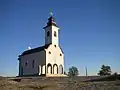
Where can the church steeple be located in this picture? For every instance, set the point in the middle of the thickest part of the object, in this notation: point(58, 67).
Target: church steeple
point(51, 31)
point(51, 21)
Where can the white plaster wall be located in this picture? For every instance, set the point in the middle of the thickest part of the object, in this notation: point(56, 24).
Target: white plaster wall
point(39, 58)
point(48, 39)
point(43, 69)
point(40, 70)
point(52, 39)
point(54, 57)
point(55, 40)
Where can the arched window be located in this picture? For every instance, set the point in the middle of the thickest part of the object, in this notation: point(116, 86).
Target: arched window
point(55, 33)
point(26, 63)
point(60, 69)
point(33, 63)
point(48, 33)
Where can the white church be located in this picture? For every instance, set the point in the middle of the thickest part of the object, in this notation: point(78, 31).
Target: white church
point(47, 60)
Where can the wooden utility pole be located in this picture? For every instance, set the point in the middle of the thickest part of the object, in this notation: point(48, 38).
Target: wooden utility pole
point(86, 70)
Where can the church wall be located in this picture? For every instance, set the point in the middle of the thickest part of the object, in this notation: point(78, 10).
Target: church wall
point(55, 39)
point(39, 58)
point(48, 39)
point(54, 57)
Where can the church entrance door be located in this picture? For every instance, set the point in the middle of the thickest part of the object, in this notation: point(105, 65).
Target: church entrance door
point(49, 68)
point(55, 69)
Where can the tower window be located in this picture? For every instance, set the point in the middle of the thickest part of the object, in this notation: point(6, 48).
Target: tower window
point(55, 45)
point(48, 33)
point(49, 52)
point(33, 63)
point(55, 33)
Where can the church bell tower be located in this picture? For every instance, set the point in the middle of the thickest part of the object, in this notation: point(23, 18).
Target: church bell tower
point(51, 31)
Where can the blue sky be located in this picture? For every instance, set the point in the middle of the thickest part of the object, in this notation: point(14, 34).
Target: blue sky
point(89, 32)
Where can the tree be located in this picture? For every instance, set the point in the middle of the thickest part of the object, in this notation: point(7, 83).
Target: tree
point(105, 70)
point(73, 71)
point(115, 74)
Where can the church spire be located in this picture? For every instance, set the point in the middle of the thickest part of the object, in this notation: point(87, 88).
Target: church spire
point(51, 31)
point(51, 21)
point(51, 14)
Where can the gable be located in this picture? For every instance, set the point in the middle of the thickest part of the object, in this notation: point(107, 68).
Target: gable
point(52, 48)
point(38, 49)
point(61, 50)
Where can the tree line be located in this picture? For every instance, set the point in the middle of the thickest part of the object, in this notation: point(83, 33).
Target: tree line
point(104, 70)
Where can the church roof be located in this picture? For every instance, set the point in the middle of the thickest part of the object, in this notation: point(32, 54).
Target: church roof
point(38, 49)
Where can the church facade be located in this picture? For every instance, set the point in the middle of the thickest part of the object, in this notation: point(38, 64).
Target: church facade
point(47, 60)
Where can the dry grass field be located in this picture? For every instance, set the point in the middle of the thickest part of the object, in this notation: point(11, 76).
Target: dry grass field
point(57, 84)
